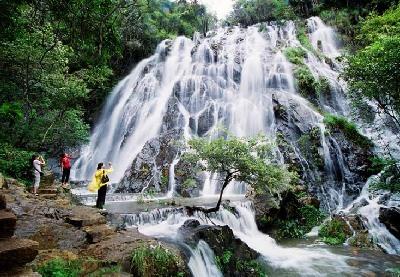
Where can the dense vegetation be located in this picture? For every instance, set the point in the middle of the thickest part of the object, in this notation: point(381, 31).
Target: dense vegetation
point(59, 60)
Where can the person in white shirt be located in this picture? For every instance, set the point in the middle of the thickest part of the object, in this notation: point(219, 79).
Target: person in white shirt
point(37, 162)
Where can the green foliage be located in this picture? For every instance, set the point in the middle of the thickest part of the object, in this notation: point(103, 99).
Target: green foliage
point(15, 162)
point(61, 268)
point(379, 163)
point(309, 144)
point(390, 174)
point(295, 55)
point(395, 272)
point(334, 232)
point(373, 72)
point(154, 261)
point(309, 216)
point(249, 12)
point(59, 59)
point(189, 183)
point(253, 266)
point(223, 260)
point(348, 128)
point(306, 82)
point(247, 160)
point(164, 181)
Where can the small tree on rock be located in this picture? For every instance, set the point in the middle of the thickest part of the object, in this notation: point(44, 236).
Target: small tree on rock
point(239, 159)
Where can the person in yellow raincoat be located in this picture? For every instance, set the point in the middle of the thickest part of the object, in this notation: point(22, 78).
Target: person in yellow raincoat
point(99, 184)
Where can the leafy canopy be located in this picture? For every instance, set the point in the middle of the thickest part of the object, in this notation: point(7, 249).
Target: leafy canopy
point(249, 160)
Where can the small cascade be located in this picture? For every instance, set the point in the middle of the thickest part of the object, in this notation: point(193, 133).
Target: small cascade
point(370, 215)
point(171, 178)
point(202, 261)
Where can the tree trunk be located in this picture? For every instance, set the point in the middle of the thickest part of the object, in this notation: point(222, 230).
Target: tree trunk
point(191, 210)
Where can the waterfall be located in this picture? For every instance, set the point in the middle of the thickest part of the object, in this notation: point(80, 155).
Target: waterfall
point(238, 79)
point(202, 261)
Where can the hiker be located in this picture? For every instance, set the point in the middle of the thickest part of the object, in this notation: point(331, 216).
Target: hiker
point(99, 183)
point(37, 162)
point(65, 163)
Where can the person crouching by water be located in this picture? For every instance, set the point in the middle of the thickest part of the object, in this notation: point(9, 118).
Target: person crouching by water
point(99, 183)
point(37, 162)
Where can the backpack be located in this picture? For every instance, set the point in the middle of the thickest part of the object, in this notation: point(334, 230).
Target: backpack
point(104, 178)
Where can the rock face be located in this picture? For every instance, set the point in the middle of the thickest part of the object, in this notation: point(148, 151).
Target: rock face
point(14, 252)
point(230, 252)
point(151, 166)
point(7, 222)
point(391, 218)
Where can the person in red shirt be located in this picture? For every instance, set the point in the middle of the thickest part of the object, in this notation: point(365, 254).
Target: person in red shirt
point(65, 163)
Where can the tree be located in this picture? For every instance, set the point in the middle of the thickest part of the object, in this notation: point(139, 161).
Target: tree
point(244, 160)
point(373, 72)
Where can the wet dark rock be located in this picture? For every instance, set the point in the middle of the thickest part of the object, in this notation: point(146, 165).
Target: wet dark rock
point(390, 217)
point(362, 240)
point(205, 121)
point(151, 165)
point(266, 212)
point(3, 204)
point(222, 241)
point(8, 222)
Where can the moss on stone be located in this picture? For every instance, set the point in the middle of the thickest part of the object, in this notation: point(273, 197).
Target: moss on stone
point(349, 130)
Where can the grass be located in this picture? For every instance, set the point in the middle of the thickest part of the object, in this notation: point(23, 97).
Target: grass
point(348, 128)
point(149, 261)
point(59, 267)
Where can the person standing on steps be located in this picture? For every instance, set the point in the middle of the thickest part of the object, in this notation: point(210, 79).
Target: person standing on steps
point(65, 164)
point(37, 162)
point(99, 183)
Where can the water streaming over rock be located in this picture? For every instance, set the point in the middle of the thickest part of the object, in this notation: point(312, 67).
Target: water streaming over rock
point(237, 78)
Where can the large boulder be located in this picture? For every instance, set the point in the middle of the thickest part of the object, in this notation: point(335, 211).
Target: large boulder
point(230, 252)
point(390, 217)
point(17, 252)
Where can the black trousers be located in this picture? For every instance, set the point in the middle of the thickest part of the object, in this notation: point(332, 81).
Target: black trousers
point(101, 197)
point(65, 175)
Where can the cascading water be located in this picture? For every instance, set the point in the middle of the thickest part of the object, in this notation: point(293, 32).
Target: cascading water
point(236, 78)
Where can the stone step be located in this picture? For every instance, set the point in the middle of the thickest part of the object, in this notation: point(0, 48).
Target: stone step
point(97, 233)
point(17, 252)
point(49, 190)
point(48, 196)
point(7, 224)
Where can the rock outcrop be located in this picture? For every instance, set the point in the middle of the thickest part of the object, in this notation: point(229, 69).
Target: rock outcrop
point(390, 217)
point(14, 252)
point(230, 252)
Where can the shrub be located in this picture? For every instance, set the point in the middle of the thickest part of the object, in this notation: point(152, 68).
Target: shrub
point(306, 82)
point(154, 261)
point(334, 232)
point(252, 266)
point(295, 55)
point(309, 216)
point(348, 128)
point(15, 162)
point(61, 268)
